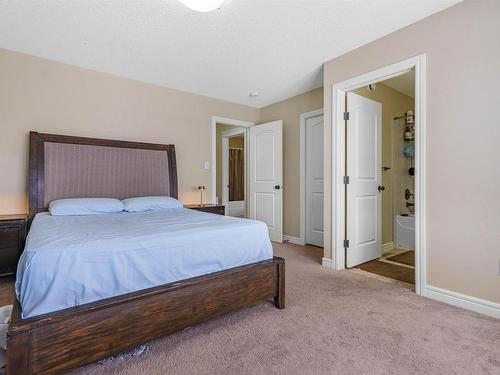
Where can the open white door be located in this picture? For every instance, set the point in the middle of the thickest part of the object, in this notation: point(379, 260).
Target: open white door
point(364, 172)
point(314, 180)
point(266, 176)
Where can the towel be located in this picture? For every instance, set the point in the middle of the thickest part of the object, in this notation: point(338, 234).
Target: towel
point(409, 151)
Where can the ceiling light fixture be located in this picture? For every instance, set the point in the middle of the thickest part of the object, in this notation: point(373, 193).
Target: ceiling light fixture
point(202, 5)
point(253, 94)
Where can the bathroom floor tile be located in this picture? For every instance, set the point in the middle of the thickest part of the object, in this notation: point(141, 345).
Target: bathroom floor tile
point(390, 270)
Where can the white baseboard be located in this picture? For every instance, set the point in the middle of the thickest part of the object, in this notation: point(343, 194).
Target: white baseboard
point(387, 247)
point(328, 263)
point(292, 239)
point(464, 301)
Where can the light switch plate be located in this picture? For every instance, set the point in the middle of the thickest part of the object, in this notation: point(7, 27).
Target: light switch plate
point(206, 164)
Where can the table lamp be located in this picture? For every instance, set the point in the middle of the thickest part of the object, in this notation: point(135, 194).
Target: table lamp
point(201, 188)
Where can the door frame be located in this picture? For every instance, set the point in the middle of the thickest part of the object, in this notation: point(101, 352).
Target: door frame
point(338, 160)
point(223, 121)
point(303, 119)
point(225, 164)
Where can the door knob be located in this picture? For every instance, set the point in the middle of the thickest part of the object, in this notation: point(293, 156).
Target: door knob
point(277, 187)
point(381, 188)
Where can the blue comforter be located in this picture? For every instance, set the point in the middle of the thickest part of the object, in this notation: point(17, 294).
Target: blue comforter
point(72, 260)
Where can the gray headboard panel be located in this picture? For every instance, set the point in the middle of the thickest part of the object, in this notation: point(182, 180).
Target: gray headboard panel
point(69, 167)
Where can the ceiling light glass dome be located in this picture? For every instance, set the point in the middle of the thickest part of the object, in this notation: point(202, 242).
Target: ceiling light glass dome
point(202, 5)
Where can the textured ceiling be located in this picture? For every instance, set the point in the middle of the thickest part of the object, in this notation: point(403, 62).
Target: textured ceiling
point(276, 48)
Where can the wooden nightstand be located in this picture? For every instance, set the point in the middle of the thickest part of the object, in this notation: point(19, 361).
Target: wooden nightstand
point(211, 208)
point(12, 236)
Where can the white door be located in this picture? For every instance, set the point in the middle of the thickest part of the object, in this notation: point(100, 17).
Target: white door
point(314, 180)
point(266, 176)
point(364, 170)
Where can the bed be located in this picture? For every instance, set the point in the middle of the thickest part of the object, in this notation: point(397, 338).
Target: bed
point(91, 287)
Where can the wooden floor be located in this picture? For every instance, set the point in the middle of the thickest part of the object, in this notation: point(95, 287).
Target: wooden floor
point(394, 264)
point(407, 257)
point(7, 295)
point(390, 270)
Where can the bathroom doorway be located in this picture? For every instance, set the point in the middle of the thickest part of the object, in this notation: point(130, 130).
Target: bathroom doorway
point(234, 172)
point(378, 192)
point(382, 192)
point(231, 168)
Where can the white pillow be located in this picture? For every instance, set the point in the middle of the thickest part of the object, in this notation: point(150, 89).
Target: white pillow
point(84, 206)
point(139, 204)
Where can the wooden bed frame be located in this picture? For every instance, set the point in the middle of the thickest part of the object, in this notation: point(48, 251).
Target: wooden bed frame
point(57, 342)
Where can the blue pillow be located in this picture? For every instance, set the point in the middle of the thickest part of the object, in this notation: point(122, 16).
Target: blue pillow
point(84, 206)
point(150, 203)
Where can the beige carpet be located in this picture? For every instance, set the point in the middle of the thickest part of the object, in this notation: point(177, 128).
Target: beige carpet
point(334, 323)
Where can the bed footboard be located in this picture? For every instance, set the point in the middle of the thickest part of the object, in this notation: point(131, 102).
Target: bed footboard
point(58, 342)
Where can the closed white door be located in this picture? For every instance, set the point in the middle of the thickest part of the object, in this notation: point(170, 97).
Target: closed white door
point(266, 176)
point(364, 170)
point(314, 180)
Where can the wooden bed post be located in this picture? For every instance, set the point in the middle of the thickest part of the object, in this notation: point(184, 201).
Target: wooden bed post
point(18, 358)
point(18, 345)
point(279, 299)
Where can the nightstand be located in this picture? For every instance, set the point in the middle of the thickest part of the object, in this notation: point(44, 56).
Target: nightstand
point(211, 208)
point(12, 236)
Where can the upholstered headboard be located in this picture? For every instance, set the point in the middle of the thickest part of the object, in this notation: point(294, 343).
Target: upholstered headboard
point(70, 167)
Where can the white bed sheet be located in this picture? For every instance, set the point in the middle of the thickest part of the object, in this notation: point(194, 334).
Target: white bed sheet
point(72, 260)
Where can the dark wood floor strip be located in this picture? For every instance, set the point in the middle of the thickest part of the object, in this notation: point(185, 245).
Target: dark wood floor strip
point(408, 258)
point(392, 271)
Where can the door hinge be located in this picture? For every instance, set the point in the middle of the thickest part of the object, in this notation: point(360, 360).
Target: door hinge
point(346, 116)
point(346, 180)
point(346, 243)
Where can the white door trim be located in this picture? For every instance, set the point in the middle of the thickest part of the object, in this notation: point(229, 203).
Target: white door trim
point(223, 121)
point(303, 118)
point(338, 160)
point(225, 163)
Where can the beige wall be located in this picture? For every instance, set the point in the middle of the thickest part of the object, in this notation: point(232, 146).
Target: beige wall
point(289, 111)
point(463, 134)
point(394, 103)
point(237, 142)
point(37, 94)
point(46, 96)
point(221, 128)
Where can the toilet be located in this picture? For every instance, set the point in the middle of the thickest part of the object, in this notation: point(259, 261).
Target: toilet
point(405, 232)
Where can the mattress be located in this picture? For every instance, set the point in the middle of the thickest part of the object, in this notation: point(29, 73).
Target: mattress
point(72, 260)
